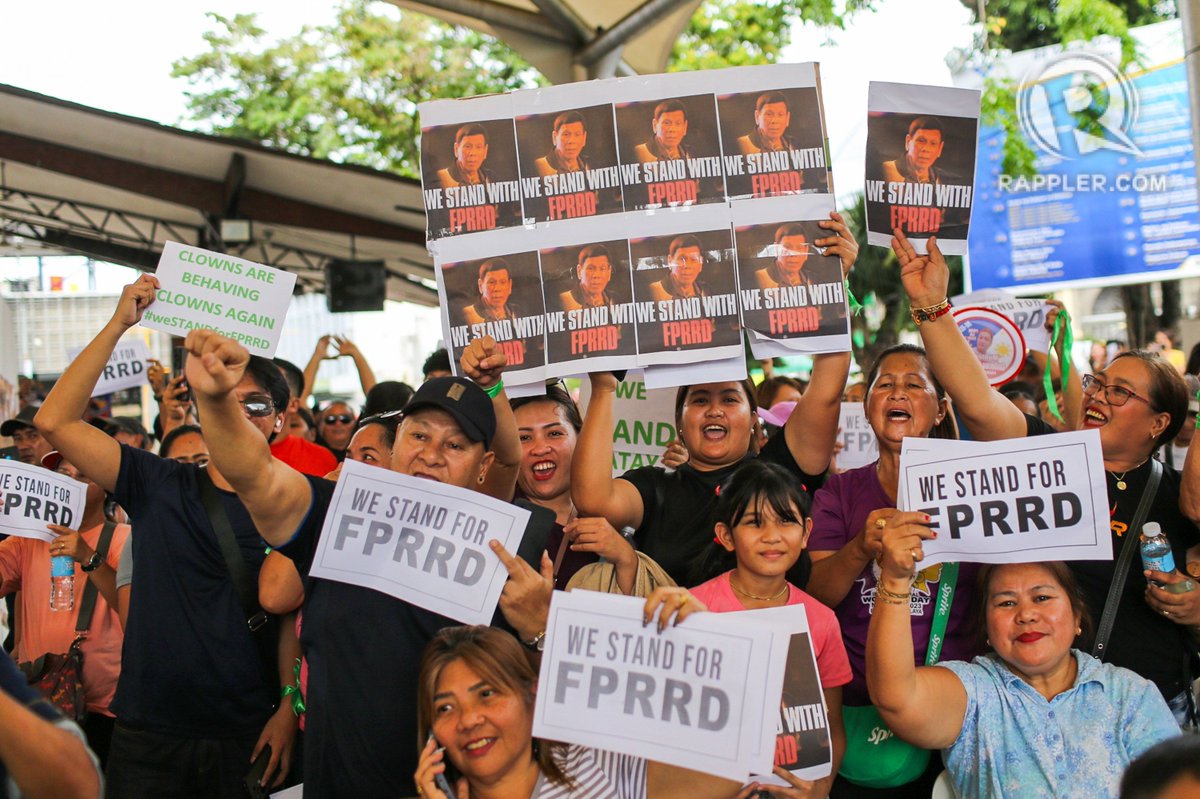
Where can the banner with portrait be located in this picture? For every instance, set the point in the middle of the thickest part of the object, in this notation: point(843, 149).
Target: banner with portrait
point(610, 206)
point(793, 297)
point(921, 144)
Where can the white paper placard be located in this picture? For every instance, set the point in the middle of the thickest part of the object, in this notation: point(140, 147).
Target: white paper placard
point(702, 695)
point(418, 540)
point(32, 497)
point(859, 444)
point(127, 367)
point(921, 179)
point(1027, 313)
point(1018, 500)
point(643, 422)
point(240, 299)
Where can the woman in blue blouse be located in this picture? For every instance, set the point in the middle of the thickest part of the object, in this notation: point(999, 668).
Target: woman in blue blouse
point(1034, 717)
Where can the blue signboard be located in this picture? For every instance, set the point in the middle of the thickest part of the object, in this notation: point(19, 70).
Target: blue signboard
point(1118, 207)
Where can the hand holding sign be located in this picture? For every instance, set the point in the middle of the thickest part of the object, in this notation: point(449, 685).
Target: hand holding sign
point(135, 298)
point(671, 601)
point(926, 278)
point(525, 599)
point(483, 361)
point(797, 788)
point(903, 534)
point(215, 364)
point(842, 243)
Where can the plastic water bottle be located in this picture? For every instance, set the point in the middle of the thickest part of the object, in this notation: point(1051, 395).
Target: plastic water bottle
point(62, 583)
point(1156, 550)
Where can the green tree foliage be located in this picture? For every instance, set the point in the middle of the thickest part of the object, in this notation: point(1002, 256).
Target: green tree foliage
point(735, 33)
point(1022, 24)
point(347, 91)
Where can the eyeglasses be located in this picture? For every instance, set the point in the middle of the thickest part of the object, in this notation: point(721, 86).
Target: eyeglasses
point(1114, 395)
point(339, 418)
point(258, 405)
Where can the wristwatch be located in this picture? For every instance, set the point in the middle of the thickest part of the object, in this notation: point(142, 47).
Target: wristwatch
point(93, 563)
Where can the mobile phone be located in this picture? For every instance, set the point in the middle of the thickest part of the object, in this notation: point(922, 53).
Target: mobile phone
point(440, 780)
point(257, 769)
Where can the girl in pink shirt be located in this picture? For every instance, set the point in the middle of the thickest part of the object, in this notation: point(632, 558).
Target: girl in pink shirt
point(762, 528)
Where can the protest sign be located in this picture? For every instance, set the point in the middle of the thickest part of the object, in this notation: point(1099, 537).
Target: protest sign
point(237, 298)
point(644, 423)
point(772, 130)
point(802, 738)
point(859, 444)
point(586, 279)
point(418, 540)
point(469, 175)
point(685, 286)
point(995, 341)
point(566, 141)
point(497, 295)
point(126, 367)
point(1027, 313)
point(33, 497)
point(701, 695)
point(1012, 501)
point(920, 164)
point(791, 293)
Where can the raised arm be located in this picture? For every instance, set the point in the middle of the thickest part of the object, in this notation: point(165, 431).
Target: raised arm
point(925, 706)
point(276, 495)
point(314, 364)
point(594, 491)
point(484, 362)
point(812, 428)
point(988, 415)
point(366, 377)
point(60, 419)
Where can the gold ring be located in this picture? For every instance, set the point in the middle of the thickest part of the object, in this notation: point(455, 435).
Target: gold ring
point(915, 554)
point(880, 524)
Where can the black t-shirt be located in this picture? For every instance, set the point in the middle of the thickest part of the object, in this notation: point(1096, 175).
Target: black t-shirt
point(364, 653)
point(677, 531)
point(189, 666)
point(1142, 640)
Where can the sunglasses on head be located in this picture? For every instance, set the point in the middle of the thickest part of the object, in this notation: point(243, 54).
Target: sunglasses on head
point(339, 418)
point(258, 405)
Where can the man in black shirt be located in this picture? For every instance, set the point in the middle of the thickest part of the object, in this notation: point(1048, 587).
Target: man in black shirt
point(195, 698)
point(363, 646)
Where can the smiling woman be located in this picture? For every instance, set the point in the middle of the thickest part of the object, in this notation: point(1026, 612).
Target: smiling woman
point(1034, 717)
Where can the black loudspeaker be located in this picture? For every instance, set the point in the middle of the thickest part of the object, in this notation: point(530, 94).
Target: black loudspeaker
point(355, 286)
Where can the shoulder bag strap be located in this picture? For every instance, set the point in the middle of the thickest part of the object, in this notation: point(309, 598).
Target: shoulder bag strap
point(243, 582)
point(941, 613)
point(87, 604)
point(1100, 647)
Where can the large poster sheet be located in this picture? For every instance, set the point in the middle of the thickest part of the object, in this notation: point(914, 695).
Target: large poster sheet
point(241, 299)
point(1013, 501)
point(802, 740)
point(921, 143)
point(417, 540)
point(621, 190)
point(127, 367)
point(792, 294)
point(32, 497)
point(702, 695)
point(643, 422)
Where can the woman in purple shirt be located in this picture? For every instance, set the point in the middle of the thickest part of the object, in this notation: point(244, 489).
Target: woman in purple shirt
point(850, 514)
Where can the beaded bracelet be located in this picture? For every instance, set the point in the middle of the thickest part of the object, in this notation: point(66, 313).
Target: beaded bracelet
point(889, 601)
point(930, 313)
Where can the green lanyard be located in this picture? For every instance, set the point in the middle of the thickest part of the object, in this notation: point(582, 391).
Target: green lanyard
point(941, 613)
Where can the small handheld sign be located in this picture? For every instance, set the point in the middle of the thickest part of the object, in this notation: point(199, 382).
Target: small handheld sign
point(995, 340)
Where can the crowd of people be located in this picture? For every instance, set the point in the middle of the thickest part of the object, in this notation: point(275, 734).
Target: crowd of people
point(221, 651)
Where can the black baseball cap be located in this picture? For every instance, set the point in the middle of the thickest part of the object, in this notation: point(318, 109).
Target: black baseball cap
point(469, 404)
point(22, 419)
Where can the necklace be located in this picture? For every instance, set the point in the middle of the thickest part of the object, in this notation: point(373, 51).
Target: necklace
point(1120, 478)
point(749, 595)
